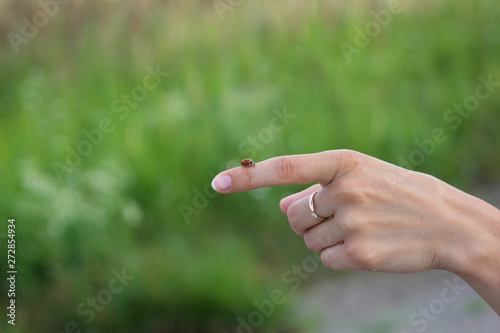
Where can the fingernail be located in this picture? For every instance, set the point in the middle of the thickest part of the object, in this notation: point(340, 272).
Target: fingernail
point(221, 183)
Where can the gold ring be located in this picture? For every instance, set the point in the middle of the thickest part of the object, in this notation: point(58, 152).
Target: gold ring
point(311, 206)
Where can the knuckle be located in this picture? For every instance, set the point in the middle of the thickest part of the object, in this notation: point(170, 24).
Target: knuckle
point(311, 242)
point(293, 215)
point(353, 222)
point(350, 191)
point(248, 174)
point(326, 259)
point(345, 223)
point(286, 167)
point(351, 158)
point(362, 256)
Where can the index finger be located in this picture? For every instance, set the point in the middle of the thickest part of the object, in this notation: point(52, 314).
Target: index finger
point(321, 167)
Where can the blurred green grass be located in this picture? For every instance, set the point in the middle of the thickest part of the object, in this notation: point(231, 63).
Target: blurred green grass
point(120, 206)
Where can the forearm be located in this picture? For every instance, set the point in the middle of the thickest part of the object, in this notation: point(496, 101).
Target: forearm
point(488, 290)
point(477, 258)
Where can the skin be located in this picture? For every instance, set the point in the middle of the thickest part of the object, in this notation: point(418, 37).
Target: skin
point(385, 218)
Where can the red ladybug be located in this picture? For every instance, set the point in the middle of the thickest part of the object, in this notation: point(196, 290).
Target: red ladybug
point(247, 162)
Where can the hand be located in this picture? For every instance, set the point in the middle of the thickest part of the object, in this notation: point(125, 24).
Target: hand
point(385, 218)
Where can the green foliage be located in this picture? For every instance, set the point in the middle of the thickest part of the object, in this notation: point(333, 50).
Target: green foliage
point(120, 206)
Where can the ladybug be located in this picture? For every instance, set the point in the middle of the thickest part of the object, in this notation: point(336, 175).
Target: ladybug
point(247, 162)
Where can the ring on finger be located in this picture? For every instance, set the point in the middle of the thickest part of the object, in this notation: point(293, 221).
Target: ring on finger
point(313, 211)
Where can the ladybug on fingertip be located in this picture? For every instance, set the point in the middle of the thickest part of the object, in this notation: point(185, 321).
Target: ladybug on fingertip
point(247, 162)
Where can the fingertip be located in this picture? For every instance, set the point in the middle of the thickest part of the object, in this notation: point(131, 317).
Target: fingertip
point(222, 183)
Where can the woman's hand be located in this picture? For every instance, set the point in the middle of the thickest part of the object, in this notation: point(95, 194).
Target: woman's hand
point(385, 218)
